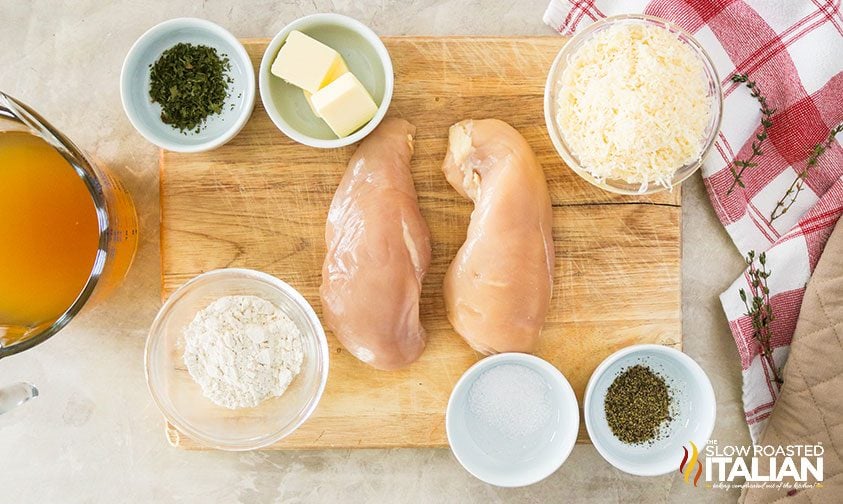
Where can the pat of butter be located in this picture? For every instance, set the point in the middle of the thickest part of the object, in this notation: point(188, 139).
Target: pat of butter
point(307, 96)
point(344, 104)
point(307, 63)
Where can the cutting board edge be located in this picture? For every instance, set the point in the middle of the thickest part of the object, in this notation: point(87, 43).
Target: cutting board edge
point(162, 232)
point(182, 442)
point(437, 38)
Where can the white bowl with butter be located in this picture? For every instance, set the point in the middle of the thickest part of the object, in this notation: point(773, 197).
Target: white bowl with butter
point(311, 71)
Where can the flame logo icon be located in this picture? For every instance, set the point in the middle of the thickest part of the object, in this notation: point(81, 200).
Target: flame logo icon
point(686, 467)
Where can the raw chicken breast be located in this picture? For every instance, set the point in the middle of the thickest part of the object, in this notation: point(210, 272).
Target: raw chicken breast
point(378, 252)
point(498, 288)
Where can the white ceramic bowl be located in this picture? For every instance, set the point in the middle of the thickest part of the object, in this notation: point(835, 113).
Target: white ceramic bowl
point(145, 115)
point(694, 410)
point(366, 57)
point(180, 398)
point(499, 460)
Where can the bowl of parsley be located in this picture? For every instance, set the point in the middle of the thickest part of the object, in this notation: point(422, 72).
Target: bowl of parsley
point(188, 85)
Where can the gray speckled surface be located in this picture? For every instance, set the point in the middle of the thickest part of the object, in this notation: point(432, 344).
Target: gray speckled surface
point(95, 435)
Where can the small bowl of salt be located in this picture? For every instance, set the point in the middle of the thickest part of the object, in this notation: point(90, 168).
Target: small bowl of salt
point(512, 419)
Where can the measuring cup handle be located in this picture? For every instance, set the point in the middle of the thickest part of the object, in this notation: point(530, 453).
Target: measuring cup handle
point(13, 396)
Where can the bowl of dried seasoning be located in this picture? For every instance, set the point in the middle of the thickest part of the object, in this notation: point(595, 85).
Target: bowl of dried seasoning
point(648, 406)
point(188, 85)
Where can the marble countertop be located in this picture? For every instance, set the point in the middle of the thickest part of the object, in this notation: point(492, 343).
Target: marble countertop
point(95, 435)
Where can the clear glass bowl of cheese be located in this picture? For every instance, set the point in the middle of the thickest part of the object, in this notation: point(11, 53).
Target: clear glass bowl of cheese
point(617, 116)
point(180, 398)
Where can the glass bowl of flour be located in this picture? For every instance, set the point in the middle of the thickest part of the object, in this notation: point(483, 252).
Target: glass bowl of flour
point(236, 359)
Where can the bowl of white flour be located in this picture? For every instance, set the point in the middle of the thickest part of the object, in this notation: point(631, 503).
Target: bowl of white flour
point(236, 359)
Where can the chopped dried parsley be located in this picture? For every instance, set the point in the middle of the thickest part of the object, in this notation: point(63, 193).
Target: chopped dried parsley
point(191, 83)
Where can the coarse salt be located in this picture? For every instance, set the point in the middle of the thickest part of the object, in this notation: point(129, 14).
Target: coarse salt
point(512, 399)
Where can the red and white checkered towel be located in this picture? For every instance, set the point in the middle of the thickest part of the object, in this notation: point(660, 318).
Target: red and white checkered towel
point(793, 49)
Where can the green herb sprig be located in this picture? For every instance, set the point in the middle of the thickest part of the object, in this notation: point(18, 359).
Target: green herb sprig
point(191, 83)
point(789, 198)
point(759, 309)
point(739, 166)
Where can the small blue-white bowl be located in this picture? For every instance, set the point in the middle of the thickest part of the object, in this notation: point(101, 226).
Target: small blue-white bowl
point(693, 410)
point(145, 115)
point(490, 455)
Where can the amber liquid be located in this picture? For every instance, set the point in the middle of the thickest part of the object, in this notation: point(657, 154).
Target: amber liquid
point(49, 233)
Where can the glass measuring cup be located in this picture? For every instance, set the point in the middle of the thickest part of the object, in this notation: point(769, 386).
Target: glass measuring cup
point(117, 228)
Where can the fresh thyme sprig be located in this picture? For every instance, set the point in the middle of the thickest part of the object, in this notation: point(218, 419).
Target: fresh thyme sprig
point(761, 311)
point(798, 183)
point(766, 122)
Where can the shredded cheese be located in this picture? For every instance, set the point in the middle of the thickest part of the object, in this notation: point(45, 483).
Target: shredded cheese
point(633, 104)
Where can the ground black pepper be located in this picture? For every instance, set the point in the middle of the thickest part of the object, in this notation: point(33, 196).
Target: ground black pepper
point(190, 82)
point(636, 405)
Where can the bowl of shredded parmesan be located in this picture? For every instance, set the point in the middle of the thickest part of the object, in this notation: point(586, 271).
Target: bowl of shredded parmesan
point(633, 104)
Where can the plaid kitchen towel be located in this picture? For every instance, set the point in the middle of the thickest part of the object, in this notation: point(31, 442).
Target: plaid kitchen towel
point(793, 51)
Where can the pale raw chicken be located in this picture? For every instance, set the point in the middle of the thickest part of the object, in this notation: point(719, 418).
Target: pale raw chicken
point(378, 252)
point(498, 287)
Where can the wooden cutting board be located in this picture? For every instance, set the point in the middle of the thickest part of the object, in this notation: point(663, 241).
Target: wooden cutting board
point(261, 202)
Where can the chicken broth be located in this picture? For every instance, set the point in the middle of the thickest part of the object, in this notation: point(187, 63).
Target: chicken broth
point(49, 234)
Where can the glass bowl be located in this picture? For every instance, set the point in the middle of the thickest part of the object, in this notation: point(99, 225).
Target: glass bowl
point(180, 398)
point(551, 91)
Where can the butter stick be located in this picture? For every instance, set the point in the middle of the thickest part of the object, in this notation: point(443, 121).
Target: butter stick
point(344, 104)
point(307, 63)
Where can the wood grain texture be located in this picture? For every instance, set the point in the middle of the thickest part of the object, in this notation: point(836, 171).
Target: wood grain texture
point(261, 202)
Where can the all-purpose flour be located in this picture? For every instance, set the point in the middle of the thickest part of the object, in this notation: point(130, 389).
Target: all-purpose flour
point(242, 350)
